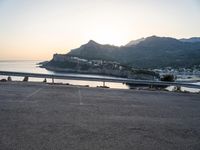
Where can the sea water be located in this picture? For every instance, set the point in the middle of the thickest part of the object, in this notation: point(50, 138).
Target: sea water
point(33, 67)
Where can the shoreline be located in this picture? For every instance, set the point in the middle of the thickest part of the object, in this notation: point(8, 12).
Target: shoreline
point(139, 74)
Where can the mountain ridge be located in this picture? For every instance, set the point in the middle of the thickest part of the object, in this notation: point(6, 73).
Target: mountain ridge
point(191, 40)
point(150, 52)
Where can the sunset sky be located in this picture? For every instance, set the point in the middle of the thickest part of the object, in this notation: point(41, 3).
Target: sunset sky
point(36, 29)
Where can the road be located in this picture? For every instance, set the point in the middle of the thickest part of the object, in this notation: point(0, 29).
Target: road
point(38, 116)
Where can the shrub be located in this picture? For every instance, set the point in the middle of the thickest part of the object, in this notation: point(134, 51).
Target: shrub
point(168, 77)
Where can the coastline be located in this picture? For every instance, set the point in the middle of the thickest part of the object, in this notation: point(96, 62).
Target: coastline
point(33, 68)
point(114, 73)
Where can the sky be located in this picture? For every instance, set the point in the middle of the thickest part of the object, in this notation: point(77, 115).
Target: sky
point(36, 29)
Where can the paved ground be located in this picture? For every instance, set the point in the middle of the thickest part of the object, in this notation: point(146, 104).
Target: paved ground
point(55, 117)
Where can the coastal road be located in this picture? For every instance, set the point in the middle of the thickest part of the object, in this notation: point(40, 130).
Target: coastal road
point(38, 116)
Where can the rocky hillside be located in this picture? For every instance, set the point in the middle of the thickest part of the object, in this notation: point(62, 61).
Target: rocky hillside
point(150, 52)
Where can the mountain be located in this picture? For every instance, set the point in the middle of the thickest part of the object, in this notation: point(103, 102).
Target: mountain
point(150, 52)
point(135, 42)
point(191, 40)
point(93, 50)
point(158, 52)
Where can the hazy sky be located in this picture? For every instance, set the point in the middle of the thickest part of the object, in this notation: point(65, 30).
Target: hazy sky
point(35, 29)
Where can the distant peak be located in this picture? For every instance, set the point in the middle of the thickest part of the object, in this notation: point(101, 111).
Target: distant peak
point(163, 38)
point(135, 42)
point(92, 42)
point(153, 37)
point(191, 40)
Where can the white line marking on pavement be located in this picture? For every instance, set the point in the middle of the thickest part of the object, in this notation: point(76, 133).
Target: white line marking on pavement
point(83, 104)
point(32, 94)
point(80, 97)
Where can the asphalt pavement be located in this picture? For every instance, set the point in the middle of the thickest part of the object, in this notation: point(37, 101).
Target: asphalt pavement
point(38, 116)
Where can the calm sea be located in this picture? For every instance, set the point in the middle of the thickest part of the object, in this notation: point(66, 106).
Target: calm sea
point(32, 67)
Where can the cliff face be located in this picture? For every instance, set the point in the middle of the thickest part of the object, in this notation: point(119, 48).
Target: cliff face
point(65, 63)
point(59, 57)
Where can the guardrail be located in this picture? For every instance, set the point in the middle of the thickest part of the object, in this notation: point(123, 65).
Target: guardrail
point(100, 79)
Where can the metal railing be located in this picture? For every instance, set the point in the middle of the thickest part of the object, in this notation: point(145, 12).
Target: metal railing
point(99, 79)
